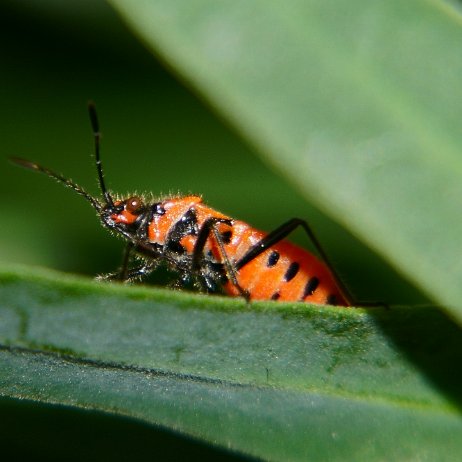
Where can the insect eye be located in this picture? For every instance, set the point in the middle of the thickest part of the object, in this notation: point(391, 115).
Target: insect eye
point(133, 204)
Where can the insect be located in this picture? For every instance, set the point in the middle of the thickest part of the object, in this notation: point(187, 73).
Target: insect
point(207, 248)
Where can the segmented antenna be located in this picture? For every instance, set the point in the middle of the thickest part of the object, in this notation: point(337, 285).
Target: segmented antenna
point(97, 136)
point(67, 182)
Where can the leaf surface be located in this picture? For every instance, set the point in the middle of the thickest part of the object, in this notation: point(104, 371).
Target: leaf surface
point(277, 381)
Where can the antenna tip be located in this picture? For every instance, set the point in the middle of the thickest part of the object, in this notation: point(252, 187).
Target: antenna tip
point(25, 163)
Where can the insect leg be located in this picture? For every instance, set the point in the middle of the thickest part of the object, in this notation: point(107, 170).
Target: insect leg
point(127, 274)
point(125, 262)
point(210, 226)
point(140, 271)
point(121, 274)
point(131, 274)
point(281, 233)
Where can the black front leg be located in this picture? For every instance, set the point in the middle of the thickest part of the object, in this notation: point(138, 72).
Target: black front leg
point(127, 274)
point(210, 227)
point(126, 261)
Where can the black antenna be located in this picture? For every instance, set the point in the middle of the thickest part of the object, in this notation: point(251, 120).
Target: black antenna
point(97, 136)
point(67, 182)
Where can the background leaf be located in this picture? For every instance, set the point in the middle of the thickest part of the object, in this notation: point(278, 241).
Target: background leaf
point(284, 382)
point(363, 96)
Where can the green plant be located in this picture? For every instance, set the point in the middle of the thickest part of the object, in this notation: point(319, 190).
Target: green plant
point(357, 105)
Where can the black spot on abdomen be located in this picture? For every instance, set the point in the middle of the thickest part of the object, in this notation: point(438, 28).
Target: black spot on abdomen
point(275, 296)
point(292, 271)
point(310, 287)
point(272, 259)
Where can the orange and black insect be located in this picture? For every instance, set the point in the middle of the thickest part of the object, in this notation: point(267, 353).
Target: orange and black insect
point(209, 249)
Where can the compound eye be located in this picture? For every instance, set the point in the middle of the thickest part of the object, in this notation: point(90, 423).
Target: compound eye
point(133, 204)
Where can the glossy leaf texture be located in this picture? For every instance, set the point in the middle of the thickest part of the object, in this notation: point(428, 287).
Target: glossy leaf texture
point(275, 381)
point(358, 102)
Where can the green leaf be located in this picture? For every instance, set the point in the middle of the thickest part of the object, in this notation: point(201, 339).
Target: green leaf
point(358, 102)
point(272, 380)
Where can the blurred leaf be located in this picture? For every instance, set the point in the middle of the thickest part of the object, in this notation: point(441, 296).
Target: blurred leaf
point(38, 431)
point(358, 102)
point(277, 381)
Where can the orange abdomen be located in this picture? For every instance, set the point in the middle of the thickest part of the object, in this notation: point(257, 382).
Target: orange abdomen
point(283, 272)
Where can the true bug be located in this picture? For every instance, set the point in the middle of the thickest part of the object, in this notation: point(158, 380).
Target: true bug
point(208, 248)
